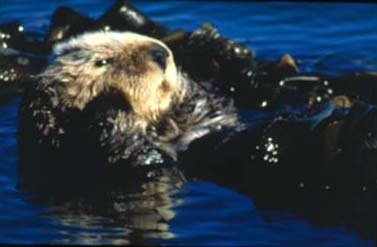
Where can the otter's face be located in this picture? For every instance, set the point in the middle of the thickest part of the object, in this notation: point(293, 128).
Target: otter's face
point(140, 67)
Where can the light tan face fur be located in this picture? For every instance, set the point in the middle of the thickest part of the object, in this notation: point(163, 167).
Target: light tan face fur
point(77, 77)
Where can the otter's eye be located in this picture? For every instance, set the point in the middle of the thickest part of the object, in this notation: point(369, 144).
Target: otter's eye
point(104, 62)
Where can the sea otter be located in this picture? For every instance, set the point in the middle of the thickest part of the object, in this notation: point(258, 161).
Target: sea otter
point(117, 100)
point(113, 106)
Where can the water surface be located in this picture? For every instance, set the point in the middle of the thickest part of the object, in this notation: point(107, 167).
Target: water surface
point(325, 37)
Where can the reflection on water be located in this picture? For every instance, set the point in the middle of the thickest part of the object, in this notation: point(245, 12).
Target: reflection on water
point(116, 216)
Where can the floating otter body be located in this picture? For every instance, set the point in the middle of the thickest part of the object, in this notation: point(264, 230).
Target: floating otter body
point(121, 95)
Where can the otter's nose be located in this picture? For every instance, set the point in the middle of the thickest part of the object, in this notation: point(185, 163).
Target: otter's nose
point(159, 55)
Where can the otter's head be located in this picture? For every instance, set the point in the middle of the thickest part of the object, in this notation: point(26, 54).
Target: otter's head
point(140, 67)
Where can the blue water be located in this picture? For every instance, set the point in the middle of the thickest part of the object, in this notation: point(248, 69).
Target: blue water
point(325, 37)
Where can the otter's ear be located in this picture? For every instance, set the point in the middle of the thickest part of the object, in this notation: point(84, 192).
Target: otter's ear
point(72, 46)
point(63, 48)
point(70, 54)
